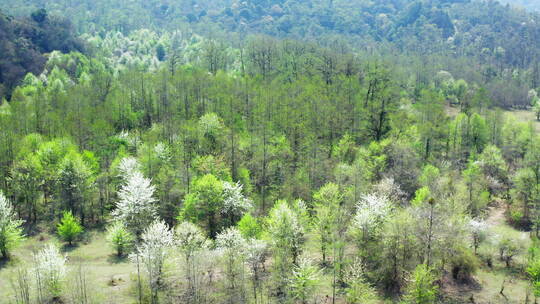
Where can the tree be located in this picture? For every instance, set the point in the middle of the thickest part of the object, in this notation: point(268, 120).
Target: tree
point(50, 271)
point(191, 242)
point(156, 242)
point(69, 228)
point(250, 227)
point(136, 206)
point(327, 216)
point(431, 120)
point(235, 204)
point(533, 270)
point(204, 203)
point(74, 184)
point(525, 194)
point(256, 255)
point(380, 102)
point(40, 15)
point(232, 245)
point(479, 233)
point(476, 194)
point(11, 233)
point(304, 281)
point(287, 236)
point(120, 238)
point(422, 289)
point(358, 291)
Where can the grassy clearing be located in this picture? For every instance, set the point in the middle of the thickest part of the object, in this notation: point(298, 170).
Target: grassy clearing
point(108, 276)
point(526, 116)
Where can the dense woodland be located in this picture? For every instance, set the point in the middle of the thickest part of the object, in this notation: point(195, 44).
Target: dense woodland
point(324, 152)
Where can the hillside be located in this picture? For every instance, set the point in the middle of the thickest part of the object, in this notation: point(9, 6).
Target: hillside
point(269, 152)
point(24, 41)
point(526, 4)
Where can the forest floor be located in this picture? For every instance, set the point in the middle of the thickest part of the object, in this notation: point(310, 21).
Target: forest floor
point(489, 281)
point(110, 276)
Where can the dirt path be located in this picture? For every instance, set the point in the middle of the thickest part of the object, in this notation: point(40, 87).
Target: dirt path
point(496, 215)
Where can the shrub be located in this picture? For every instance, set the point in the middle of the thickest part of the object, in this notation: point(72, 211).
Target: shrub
point(464, 265)
point(69, 228)
point(120, 238)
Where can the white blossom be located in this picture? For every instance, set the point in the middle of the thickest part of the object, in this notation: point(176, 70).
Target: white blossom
point(231, 241)
point(234, 201)
point(128, 166)
point(10, 231)
point(162, 151)
point(157, 240)
point(7, 215)
point(136, 205)
point(190, 238)
point(477, 227)
point(256, 254)
point(50, 270)
point(371, 210)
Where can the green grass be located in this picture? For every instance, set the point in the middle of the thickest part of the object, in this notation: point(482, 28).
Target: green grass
point(94, 255)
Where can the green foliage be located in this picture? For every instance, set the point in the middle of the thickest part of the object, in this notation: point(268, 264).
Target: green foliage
point(422, 289)
point(464, 265)
point(304, 281)
point(204, 203)
point(533, 270)
point(120, 238)
point(421, 196)
point(69, 228)
point(250, 227)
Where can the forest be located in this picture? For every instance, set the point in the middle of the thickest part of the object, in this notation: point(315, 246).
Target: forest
point(269, 151)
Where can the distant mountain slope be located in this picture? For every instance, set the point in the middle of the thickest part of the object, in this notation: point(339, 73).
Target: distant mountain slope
point(527, 4)
point(23, 41)
point(484, 29)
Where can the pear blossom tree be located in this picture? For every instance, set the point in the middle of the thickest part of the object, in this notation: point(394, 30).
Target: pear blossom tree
point(191, 242)
point(256, 255)
point(479, 230)
point(235, 204)
point(10, 227)
point(50, 271)
point(232, 245)
point(136, 206)
point(127, 167)
point(157, 241)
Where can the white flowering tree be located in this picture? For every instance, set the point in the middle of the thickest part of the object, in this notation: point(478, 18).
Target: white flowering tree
point(50, 272)
point(287, 236)
point(127, 167)
point(235, 204)
point(136, 206)
point(157, 241)
point(10, 227)
point(191, 242)
point(232, 245)
point(256, 255)
point(479, 230)
point(370, 214)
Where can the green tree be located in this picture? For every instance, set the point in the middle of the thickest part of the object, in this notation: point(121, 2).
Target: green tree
point(69, 228)
point(422, 289)
point(431, 121)
point(204, 203)
point(120, 238)
point(327, 214)
point(74, 185)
